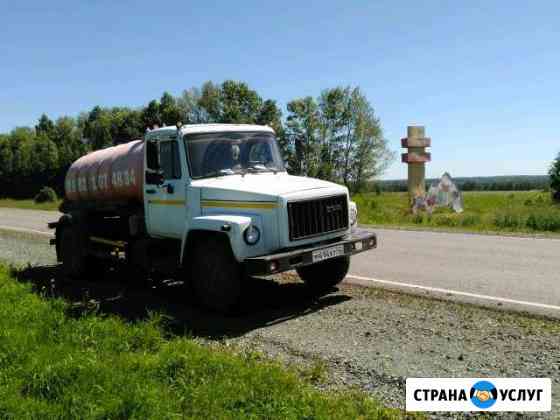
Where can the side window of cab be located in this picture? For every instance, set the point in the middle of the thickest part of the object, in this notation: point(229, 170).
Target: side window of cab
point(170, 160)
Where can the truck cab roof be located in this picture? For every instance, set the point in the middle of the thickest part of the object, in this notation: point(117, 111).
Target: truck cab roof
point(212, 128)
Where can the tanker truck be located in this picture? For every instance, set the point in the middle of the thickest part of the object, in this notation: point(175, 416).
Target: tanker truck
point(211, 204)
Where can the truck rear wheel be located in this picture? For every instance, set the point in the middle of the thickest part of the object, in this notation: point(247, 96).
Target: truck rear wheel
point(215, 274)
point(73, 255)
point(326, 274)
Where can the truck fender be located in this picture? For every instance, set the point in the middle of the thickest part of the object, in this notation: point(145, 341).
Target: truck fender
point(230, 225)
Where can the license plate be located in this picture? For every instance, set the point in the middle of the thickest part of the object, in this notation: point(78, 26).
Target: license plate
point(325, 254)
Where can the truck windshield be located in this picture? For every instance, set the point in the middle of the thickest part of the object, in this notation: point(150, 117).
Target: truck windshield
point(229, 153)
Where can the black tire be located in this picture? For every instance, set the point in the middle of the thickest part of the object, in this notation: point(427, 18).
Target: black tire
point(326, 274)
point(72, 251)
point(215, 275)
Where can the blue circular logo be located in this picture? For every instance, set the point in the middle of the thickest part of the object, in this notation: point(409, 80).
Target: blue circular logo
point(483, 394)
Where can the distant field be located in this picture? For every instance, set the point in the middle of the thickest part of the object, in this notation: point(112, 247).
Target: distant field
point(28, 204)
point(479, 183)
point(493, 211)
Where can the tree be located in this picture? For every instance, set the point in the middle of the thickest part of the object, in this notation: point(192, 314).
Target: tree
point(338, 137)
point(365, 152)
point(334, 109)
point(240, 104)
point(302, 132)
point(44, 156)
point(45, 126)
point(269, 114)
point(554, 174)
point(169, 111)
point(151, 115)
point(97, 130)
point(231, 102)
point(190, 109)
point(21, 139)
point(125, 124)
point(6, 158)
point(132, 127)
point(210, 100)
point(68, 139)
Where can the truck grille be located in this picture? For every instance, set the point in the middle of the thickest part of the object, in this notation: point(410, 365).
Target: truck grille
point(315, 217)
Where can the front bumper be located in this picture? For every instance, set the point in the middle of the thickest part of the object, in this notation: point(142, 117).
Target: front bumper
point(357, 241)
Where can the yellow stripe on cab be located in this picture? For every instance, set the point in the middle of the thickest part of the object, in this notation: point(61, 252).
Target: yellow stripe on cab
point(240, 204)
point(167, 202)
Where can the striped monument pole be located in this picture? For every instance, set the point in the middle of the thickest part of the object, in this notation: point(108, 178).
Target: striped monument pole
point(416, 158)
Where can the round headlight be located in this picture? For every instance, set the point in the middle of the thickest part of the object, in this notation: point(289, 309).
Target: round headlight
point(353, 214)
point(252, 235)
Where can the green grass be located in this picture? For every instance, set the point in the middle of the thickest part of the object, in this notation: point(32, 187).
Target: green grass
point(57, 365)
point(510, 212)
point(28, 204)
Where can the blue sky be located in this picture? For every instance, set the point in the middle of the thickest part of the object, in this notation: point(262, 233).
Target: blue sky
point(483, 76)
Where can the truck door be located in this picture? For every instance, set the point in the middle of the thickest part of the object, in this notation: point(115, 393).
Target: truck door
point(165, 202)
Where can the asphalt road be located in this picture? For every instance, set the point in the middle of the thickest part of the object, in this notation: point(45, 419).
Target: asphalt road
point(27, 220)
point(514, 272)
point(518, 273)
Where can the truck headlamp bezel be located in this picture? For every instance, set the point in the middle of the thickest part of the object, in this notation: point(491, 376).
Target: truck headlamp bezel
point(252, 235)
point(353, 213)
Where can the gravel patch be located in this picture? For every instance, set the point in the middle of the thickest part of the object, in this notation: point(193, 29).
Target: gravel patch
point(376, 339)
point(22, 248)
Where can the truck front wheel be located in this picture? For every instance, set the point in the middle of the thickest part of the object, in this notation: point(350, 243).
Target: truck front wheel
point(326, 274)
point(215, 274)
